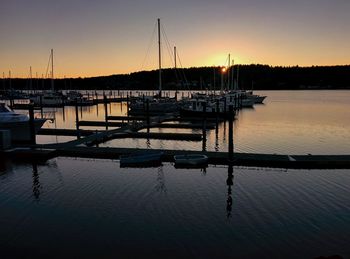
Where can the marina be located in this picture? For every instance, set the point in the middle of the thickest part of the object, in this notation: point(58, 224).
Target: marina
point(280, 154)
point(219, 130)
point(123, 127)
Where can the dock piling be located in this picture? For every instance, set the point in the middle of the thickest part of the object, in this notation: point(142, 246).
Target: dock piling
point(204, 130)
point(41, 106)
point(230, 134)
point(31, 124)
point(106, 110)
point(77, 118)
point(147, 114)
point(127, 106)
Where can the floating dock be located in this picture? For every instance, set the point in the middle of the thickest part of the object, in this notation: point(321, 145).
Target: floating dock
point(215, 158)
point(129, 127)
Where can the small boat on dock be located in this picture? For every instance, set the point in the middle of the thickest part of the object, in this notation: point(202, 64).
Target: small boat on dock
point(141, 159)
point(191, 161)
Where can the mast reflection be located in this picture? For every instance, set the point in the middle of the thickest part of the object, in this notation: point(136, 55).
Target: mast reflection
point(160, 187)
point(36, 183)
point(229, 183)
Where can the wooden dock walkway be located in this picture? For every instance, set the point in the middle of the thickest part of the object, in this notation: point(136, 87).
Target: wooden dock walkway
point(82, 146)
point(215, 158)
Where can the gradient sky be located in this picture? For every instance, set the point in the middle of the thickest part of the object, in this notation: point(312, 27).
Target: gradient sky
point(104, 37)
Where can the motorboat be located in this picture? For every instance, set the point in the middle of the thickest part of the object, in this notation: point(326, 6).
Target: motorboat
point(191, 160)
point(141, 159)
point(257, 99)
point(18, 124)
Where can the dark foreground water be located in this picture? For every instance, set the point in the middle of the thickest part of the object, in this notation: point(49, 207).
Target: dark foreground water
point(92, 208)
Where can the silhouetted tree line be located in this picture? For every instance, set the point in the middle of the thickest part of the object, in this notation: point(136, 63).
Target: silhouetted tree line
point(258, 77)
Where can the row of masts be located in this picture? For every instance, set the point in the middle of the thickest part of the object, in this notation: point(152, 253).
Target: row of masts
point(231, 84)
point(31, 75)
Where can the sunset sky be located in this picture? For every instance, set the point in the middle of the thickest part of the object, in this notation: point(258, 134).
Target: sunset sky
point(92, 38)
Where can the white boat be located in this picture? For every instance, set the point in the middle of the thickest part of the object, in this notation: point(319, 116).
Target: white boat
point(72, 95)
point(18, 124)
point(215, 105)
point(190, 160)
point(258, 99)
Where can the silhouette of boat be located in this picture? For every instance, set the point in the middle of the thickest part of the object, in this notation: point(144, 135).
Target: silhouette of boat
point(156, 104)
point(18, 124)
point(191, 161)
point(141, 159)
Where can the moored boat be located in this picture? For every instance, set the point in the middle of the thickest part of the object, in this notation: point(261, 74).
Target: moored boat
point(207, 106)
point(18, 124)
point(141, 159)
point(191, 160)
point(156, 104)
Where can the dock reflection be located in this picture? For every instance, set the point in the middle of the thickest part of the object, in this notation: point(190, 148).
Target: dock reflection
point(229, 183)
point(5, 166)
point(36, 183)
point(160, 186)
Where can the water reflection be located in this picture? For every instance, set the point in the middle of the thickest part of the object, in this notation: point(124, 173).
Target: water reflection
point(160, 187)
point(36, 183)
point(229, 183)
point(217, 137)
point(4, 166)
point(63, 114)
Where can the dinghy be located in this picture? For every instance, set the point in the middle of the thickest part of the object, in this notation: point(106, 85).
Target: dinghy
point(141, 159)
point(191, 160)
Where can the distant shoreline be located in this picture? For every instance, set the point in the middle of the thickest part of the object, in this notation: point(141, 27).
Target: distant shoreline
point(257, 77)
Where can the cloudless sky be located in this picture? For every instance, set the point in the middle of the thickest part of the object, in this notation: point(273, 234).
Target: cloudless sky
point(92, 38)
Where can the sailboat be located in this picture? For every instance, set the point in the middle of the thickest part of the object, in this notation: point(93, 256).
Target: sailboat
point(49, 98)
point(156, 104)
point(248, 98)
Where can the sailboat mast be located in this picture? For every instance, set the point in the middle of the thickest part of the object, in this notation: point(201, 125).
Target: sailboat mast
point(52, 81)
point(237, 86)
point(3, 81)
point(10, 80)
point(232, 77)
point(228, 72)
point(31, 79)
point(175, 56)
point(160, 61)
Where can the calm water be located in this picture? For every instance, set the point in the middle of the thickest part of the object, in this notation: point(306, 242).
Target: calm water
point(93, 208)
point(290, 122)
